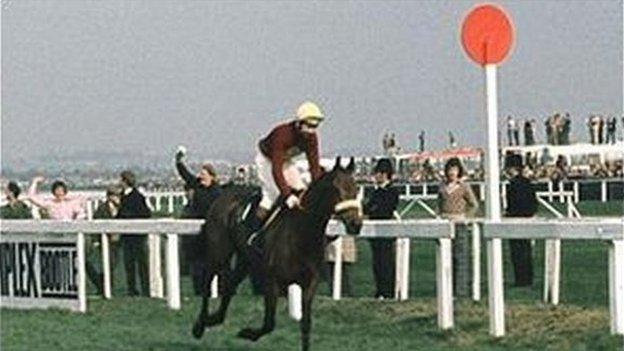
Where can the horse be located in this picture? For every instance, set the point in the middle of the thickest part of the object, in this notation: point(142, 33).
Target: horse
point(293, 252)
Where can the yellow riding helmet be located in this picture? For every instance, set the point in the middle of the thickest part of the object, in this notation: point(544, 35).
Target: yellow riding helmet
point(309, 112)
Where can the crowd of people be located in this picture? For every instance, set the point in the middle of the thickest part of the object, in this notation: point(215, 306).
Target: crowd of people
point(123, 201)
point(602, 130)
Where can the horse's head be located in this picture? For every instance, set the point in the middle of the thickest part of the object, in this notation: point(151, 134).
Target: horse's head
point(348, 207)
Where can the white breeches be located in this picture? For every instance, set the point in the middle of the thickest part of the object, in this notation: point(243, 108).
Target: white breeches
point(295, 178)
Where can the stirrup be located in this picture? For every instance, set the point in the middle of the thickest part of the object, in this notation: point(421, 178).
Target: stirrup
point(252, 237)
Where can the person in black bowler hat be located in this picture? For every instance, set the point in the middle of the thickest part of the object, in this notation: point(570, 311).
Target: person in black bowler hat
point(381, 204)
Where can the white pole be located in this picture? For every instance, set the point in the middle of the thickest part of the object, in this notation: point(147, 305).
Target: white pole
point(603, 191)
point(444, 282)
point(616, 286)
point(337, 284)
point(476, 261)
point(82, 274)
point(173, 272)
point(106, 266)
point(576, 192)
point(550, 191)
point(496, 297)
point(561, 193)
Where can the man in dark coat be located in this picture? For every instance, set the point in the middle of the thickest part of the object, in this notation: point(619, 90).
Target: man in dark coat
point(205, 189)
point(381, 204)
point(133, 206)
point(15, 208)
point(521, 202)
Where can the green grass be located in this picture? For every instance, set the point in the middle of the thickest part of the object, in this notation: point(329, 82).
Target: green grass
point(581, 322)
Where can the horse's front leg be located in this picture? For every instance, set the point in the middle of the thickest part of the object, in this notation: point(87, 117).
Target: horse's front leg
point(200, 323)
point(231, 281)
point(305, 325)
point(270, 304)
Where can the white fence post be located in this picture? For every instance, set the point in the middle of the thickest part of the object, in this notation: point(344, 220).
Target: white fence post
point(603, 191)
point(576, 192)
point(444, 282)
point(496, 293)
point(550, 191)
point(170, 204)
point(106, 266)
point(82, 274)
point(402, 269)
point(552, 270)
point(173, 272)
point(616, 286)
point(155, 266)
point(561, 193)
point(337, 279)
point(476, 261)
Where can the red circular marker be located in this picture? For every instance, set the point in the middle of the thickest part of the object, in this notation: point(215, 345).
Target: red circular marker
point(487, 34)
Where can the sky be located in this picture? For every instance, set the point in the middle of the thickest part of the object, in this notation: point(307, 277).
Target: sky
point(139, 77)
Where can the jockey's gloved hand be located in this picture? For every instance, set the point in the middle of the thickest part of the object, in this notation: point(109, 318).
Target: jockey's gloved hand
point(292, 201)
point(180, 153)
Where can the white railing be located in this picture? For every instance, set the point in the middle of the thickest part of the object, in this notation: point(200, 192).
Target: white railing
point(170, 228)
point(605, 229)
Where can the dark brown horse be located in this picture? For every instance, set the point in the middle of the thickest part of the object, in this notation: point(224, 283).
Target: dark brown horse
point(294, 248)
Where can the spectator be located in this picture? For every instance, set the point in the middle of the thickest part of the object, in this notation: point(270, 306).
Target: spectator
point(529, 133)
point(205, 189)
point(15, 208)
point(421, 141)
point(601, 130)
point(521, 202)
point(107, 210)
point(452, 140)
point(381, 204)
point(511, 128)
point(566, 126)
point(62, 206)
point(133, 206)
point(549, 131)
point(456, 201)
point(611, 127)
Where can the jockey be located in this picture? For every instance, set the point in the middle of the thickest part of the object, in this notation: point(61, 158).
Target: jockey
point(278, 175)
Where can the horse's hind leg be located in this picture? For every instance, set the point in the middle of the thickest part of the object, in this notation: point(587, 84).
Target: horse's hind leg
point(270, 304)
point(200, 323)
point(306, 319)
point(232, 280)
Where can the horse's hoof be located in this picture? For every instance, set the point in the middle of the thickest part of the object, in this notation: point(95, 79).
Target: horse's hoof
point(249, 334)
point(198, 330)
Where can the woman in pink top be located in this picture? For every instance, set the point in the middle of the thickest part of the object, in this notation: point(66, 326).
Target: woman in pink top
point(61, 207)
